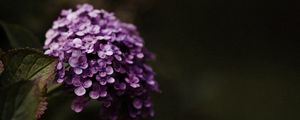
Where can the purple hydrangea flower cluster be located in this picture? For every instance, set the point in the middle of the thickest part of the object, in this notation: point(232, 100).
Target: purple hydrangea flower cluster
point(102, 58)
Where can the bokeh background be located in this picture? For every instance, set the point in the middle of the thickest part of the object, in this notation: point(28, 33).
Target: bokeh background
point(216, 59)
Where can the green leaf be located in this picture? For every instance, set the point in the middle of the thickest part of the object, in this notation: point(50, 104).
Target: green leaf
point(18, 37)
point(23, 84)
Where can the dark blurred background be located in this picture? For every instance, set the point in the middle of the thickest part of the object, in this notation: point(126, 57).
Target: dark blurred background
point(216, 59)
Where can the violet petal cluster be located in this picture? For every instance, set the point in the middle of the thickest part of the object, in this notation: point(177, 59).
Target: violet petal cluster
point(104, 59)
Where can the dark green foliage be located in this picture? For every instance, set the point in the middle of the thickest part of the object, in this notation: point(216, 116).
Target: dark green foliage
point(23, 84)
point(13, 36)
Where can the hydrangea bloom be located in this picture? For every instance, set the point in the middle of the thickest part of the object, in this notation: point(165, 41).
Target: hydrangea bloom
point(102, 58)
